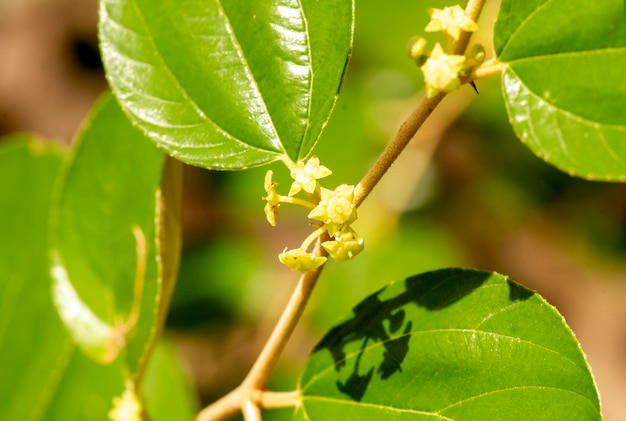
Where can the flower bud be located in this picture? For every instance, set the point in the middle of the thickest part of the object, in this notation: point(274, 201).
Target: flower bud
point(346, 245)
point(416, 49)
point(299, 259)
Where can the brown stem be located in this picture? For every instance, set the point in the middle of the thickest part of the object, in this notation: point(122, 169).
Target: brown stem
point(260, 371)
point(473, 9)
point(404, 135)
point(240, 399)
point(222, 409)
point(251, 411)
point(410, 126)
point(279, 399)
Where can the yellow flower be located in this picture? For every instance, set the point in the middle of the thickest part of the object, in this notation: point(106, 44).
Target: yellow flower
point(272, 198)
point(346, 245)
point(451, 20)
point(335, 208)
point(126, 407)
point(306, 175)
point(441, 71)
point(299, 259)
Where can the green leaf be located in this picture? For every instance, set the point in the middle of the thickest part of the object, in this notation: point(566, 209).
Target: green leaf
point(112, 276)
point(44, 376)
point(564, 81)
point(85, 389)
point(223, 86)
point(27, 321)
point(168, 392)
point(450, 344)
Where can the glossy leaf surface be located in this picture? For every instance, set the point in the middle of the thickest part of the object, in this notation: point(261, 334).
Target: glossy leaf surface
point(564, 81)
point(108, 280)
point(224, 86)
point(450, 344)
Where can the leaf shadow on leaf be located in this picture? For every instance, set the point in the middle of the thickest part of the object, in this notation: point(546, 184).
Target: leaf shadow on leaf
point(384, 321)
point(517, 292)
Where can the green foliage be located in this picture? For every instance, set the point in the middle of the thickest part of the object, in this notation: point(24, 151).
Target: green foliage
point(450, 344)
point(105, 239)
point(24, 295)
point(224, 86)
point(564, 81)
point(168, 392)
point(44, 376)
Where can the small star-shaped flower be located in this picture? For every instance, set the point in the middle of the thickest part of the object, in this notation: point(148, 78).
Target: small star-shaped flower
point(441, 72)
point(306, 175)
point(335, 208)
point(451, 20)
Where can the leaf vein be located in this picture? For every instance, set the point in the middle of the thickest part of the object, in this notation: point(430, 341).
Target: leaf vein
point(507, 389)
point(522, 24)
point(377, 406)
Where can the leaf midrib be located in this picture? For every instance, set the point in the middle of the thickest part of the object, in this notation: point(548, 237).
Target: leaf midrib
point(321, 373)
point(598, 51)
point(186, 92)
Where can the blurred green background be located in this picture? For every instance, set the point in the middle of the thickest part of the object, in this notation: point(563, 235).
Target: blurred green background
point(466, 193)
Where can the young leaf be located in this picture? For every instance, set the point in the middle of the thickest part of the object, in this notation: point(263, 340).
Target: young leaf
point(112, 276)
point(564, 81)
point(450, 344)
point(224, 85)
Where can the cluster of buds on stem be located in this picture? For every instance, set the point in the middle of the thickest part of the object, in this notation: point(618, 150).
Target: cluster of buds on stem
point(443, 71)
point(333, 210)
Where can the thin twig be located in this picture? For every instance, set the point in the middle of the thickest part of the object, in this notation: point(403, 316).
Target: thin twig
point(473, 9)
point(410, 126)
point(222, 409)
point(279, 399)
point(404, 135)
point(488, 68)
point(260, 371)
point(251, 411)
point(240, 398)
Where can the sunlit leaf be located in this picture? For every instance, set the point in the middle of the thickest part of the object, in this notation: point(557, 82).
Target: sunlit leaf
point(564, 81)
point(450, 344)
point(106, 247)
point(223, 85)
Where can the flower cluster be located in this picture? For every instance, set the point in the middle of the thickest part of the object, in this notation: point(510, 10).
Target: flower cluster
point(443, 71)
point(126, 407)
point(333, 209)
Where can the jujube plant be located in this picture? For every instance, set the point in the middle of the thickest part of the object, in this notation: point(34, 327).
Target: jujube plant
point(229, 85)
